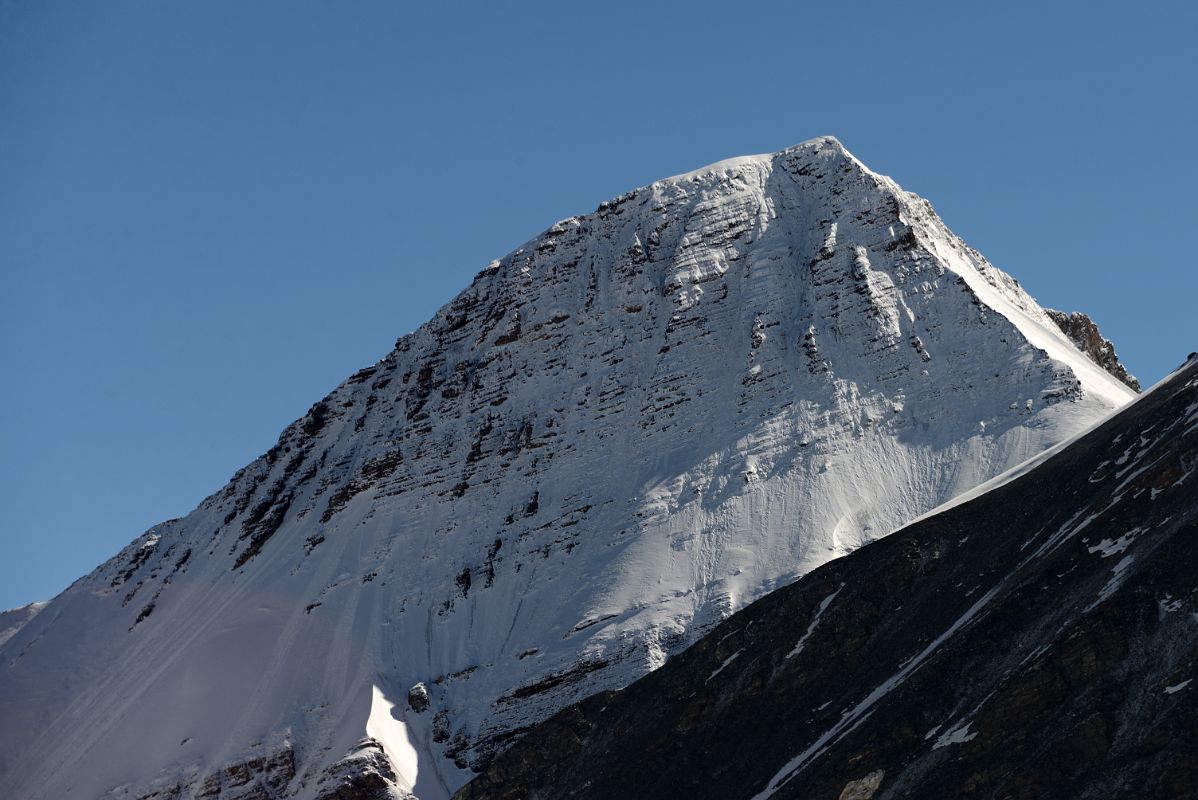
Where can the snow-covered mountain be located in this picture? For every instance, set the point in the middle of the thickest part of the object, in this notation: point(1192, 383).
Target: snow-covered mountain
point(618, 435)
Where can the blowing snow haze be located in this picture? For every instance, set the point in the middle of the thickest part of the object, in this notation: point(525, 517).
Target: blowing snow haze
point(620, 434)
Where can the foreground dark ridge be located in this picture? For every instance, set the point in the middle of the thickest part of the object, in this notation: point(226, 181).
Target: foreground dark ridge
point(1038, 641)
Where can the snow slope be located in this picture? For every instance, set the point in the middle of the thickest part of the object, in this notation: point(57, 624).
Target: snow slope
point(619, 434)
point(14, 619)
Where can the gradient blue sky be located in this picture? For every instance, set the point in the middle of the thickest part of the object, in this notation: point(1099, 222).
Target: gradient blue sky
point(212, 212)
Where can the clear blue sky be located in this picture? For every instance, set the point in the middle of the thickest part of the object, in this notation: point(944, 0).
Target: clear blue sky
point(212, 212)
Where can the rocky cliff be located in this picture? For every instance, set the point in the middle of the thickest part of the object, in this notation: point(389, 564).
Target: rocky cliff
point(1085, 335)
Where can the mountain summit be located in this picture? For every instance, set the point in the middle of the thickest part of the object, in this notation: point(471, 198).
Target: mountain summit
point(617, 436)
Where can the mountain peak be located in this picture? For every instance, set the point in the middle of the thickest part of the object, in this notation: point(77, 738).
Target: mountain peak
point(828, 147)
point(823, 146)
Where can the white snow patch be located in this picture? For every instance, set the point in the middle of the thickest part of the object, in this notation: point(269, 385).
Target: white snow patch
point(727, 661)
point(1115, 581)
point(1036, 653)
point(814, 621)
point(1169, 605)
point(957, 735)
point(1178, 687)
point(392, 734)
point(1109, 547)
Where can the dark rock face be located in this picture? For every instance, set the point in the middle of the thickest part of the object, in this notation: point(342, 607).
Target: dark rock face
point(1082, 331)
point(261, 777)
point(418, 698)
point(1039, 641)
point(365, 774)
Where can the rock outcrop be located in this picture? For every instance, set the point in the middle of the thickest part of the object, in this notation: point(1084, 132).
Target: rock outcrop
point(1082, 331)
